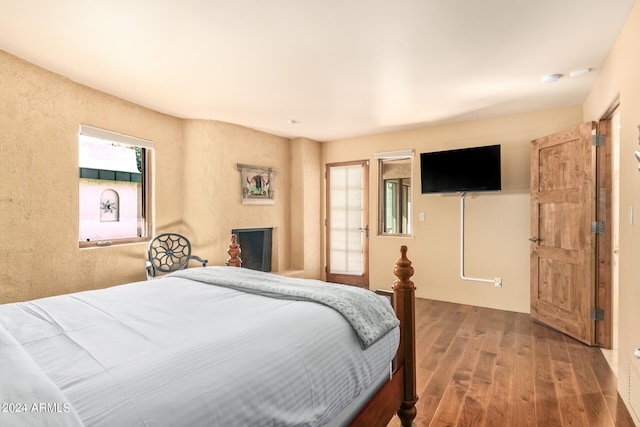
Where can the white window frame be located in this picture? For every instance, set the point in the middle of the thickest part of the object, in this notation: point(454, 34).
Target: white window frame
point(147, 208)
point(386, 156)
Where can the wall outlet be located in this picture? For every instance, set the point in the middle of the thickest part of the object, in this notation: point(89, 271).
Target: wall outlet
point(497, 282)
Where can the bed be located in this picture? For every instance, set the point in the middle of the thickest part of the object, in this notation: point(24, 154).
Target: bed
point(211, 346)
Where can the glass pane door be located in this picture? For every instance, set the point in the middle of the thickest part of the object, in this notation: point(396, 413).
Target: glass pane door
point(346, 225)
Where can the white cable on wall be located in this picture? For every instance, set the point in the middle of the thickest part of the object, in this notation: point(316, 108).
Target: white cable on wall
point(497, 281)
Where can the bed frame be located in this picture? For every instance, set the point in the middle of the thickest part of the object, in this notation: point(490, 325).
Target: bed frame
point(398, 395)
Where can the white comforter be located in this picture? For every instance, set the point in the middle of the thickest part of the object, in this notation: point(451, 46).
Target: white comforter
point(174, 352)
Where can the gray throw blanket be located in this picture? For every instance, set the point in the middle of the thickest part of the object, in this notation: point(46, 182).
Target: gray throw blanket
point(370, 315)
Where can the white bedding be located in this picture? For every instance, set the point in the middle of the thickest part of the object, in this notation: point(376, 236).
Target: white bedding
point(368, 315)
point(174, 352)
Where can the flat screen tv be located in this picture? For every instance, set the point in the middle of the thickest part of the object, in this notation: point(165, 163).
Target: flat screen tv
point(461, 171)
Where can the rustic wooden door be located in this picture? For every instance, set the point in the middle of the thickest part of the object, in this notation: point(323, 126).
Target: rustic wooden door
point(347, 237)
point(563, 249)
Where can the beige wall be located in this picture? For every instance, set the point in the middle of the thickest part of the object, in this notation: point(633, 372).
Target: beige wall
point(496, 224)
point(306, 185)
point(212, 187)
point(620, 78)
point(40, 115)
point(196, 186)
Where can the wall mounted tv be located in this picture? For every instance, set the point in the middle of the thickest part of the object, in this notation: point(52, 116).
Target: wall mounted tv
point(461, 171)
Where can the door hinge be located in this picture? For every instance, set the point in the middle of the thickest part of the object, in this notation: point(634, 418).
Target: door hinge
point(597, 140)
point(597, 227)
point(597, 314)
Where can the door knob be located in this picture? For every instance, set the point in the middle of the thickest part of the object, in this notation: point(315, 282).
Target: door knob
point(534, 239)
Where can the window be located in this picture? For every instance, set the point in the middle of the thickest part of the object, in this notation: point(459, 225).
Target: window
point(114, 186)
point(395, 192)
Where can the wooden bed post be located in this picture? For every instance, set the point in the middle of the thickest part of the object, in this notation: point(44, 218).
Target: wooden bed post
point(400, 390)
point(234, 252)
point(404, 303)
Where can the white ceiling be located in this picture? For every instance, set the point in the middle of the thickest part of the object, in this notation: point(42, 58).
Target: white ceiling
point(339, 68)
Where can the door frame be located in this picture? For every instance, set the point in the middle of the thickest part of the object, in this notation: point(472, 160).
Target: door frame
point(604, 241)
point(363, 280)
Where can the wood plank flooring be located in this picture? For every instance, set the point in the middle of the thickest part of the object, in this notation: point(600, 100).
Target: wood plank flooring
point(484, 367)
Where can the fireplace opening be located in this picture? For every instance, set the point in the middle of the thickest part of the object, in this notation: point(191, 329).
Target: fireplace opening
point(255, 244)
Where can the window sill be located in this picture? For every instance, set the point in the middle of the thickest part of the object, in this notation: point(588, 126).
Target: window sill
point(112, 242)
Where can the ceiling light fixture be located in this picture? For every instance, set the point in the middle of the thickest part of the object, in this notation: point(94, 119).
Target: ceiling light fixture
point(292, 122)
point(550, 78)
point(579, 72)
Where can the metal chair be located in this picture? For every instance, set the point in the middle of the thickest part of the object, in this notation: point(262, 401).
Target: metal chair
point(169, 252)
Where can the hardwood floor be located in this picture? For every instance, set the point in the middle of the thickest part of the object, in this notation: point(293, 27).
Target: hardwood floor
point(484, 367)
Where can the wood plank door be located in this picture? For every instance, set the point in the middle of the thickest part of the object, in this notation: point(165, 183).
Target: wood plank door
point(563, 250)
point(347, 237)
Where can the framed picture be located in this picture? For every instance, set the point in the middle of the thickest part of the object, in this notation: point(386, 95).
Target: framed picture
point(257, 184)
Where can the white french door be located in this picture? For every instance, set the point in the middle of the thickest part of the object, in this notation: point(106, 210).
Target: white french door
point(347, 223)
